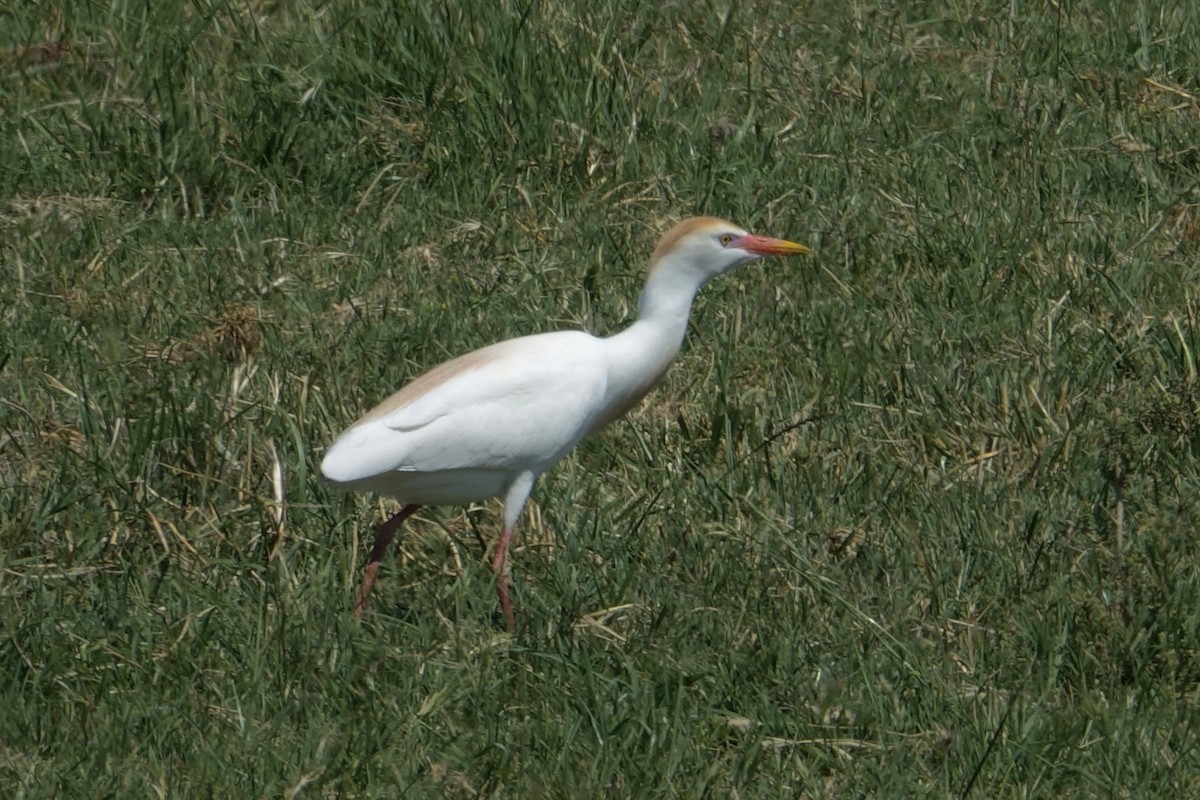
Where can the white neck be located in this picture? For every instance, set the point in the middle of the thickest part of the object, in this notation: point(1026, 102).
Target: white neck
point(640, 354)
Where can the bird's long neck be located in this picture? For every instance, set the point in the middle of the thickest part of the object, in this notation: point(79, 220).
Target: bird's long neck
point(666, 300)
point(663, 312)
point(640, 354)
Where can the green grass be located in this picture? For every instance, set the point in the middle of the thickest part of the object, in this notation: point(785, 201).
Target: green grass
point(914, 518)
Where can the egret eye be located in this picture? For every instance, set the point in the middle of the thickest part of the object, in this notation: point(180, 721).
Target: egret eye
point(725, 239)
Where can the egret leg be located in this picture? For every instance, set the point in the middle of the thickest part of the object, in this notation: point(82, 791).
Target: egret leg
point(500, 567)
point(383, 537)
point(514, 501)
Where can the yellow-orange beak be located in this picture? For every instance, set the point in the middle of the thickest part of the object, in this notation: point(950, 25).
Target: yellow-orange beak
point(766, 246)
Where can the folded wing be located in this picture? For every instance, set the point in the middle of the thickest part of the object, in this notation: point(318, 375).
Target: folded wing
point(518, 405)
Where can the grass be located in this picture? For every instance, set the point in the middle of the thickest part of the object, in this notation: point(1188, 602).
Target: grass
point(916, 517)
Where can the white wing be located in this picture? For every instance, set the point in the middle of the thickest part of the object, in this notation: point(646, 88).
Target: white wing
point(517, 405)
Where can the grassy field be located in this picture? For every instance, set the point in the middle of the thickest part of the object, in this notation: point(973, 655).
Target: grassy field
point(916, 517)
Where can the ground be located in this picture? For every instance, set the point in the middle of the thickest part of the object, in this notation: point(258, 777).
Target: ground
point(913, 517)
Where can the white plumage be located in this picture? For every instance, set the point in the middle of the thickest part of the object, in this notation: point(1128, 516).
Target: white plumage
point(488, 423)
